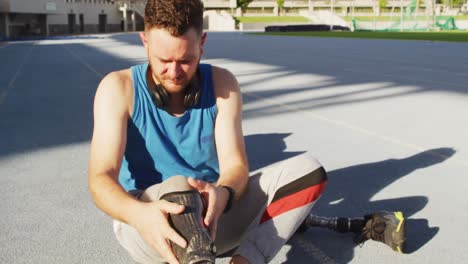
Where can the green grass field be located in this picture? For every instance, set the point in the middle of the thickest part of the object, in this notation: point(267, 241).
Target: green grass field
point(457, 36)
point(394, 18)
point(301, 19)
point(270, 19)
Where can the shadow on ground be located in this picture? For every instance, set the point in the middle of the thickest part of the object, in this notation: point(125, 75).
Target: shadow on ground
point(349, 193)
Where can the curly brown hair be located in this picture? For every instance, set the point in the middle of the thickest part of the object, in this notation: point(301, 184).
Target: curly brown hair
point(176, 16)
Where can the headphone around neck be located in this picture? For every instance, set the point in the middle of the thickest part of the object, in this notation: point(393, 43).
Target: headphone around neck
point(161, 98)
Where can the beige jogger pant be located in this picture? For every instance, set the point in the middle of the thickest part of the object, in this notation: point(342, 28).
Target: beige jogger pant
point(276, 202)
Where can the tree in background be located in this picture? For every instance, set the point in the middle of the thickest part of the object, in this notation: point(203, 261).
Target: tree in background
point(243, 4)
point(382, 4)
point(280, 4)
point(452, 3)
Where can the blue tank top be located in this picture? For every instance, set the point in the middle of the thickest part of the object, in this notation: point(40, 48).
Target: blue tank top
point(160, 145)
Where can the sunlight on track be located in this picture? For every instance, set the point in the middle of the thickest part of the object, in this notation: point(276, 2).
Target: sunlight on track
point(275, 80)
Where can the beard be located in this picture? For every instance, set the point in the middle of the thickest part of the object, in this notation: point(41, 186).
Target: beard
point(177, 85)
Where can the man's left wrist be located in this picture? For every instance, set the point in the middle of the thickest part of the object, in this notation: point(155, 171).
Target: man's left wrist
point(232, 194)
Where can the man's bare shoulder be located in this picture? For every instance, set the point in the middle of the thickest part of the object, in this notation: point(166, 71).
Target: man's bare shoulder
point(224, 81)
point(117, 86)
point(118, 80)
point(222, 74)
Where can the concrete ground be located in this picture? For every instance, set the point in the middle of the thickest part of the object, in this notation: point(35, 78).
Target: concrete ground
point(388, 120)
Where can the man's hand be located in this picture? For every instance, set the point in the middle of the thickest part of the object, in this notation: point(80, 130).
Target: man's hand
point(153, 225)
point(216, 197)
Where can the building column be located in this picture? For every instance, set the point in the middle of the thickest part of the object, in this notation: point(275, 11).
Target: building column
point(7, 25)
point(2, 26)
point(123, 8)
point(133, 22)
point(44, 24)
point(47, 31)
point(125, 20)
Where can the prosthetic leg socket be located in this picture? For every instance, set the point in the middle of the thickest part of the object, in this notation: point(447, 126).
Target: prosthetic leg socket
point(189, 224)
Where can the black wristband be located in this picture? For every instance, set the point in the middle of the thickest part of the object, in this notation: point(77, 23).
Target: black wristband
point(232, 193)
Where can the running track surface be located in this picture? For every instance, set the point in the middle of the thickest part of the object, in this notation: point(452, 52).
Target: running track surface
point(387, 119)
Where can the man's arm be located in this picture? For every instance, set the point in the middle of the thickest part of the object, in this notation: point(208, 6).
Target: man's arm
point(112, 110)
point(229, 137)
point(230, 147)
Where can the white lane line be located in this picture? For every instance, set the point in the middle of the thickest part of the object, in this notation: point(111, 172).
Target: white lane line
point(4, 93)
point(356, 128)
point(87, 65)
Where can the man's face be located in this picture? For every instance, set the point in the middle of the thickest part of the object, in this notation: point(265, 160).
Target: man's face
point(173, 60)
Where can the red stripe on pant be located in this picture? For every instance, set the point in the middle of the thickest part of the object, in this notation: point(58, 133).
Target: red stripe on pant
point(293, 201)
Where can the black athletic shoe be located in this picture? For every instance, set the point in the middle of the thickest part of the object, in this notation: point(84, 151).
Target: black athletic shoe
point(386, 227)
